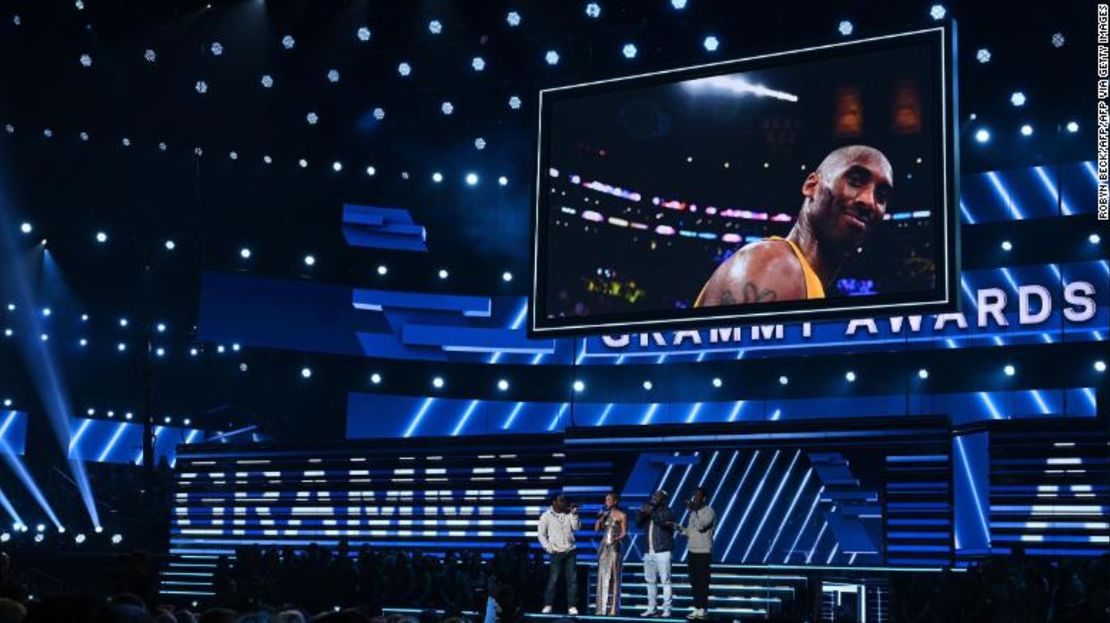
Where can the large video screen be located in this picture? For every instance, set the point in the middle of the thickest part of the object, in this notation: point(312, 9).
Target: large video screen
point(803, 184)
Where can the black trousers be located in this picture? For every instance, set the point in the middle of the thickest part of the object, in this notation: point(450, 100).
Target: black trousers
point(565, 564)
point(700, 576)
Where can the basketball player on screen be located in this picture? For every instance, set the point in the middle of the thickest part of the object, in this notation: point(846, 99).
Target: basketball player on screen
point(844, 199)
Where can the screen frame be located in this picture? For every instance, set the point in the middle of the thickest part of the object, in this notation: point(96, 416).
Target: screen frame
point(944, 297)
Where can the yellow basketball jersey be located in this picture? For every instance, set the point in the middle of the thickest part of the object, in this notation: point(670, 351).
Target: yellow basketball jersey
point(814, 288)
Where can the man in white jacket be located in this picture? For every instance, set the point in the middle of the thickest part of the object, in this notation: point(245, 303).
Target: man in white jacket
point(556, 529)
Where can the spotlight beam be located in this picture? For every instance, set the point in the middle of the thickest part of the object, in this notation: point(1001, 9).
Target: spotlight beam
point(21, 472)
point(44, 371)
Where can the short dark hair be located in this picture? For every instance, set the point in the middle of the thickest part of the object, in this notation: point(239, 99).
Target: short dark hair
point(616, 496)
point(556, 496)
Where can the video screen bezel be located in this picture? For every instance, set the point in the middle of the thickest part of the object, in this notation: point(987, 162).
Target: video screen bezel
point(944, 297)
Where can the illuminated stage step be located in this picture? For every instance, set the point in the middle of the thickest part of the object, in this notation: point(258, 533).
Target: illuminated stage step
point(627, 598)
point(743, 588)
point(585, 616)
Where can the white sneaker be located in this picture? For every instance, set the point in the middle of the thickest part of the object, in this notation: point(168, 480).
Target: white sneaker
point(693, 614)
point(700, 613)
point(546, 610)
point(572, 612)
point(650, 612)
point(666, 614)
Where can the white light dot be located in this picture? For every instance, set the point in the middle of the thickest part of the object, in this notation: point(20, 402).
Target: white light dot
point(150, 55)
point(234, 155)
point(1009, 370)
point(1094, 239)
point(382, 269)
point(922, 374)
point(471, 179)
point(717, 382)
point(1017, 98)
point(379, 113)
point(478, 63)
point(337, 166)
point(443, 274)
point(84, 136)
point(83, 342)
point(371, 171)
point(982, 136)
point(937, 12)
point(503, 181)
point(983, 55)
point(514, 102)
point(201, 87)
point(503, 385)
point(783, 380)
point(1026, 130)
point(162, 147)
point(312, 118)
point(1058, 40)
point(267, 81)
point(86, 60)
point(435, 27)
point(850, 376)
point(235, 346)
point(306, 373)
point(45, 337)
point(579, 386)
point(220, 349)
point(479, 143)
point(245, 253)
point(161, 352)
point(1100, 366)
point(711, 43)
point(678, 4)
point(447, 108)
point(101, 237)
point(170, 245)
point(309, 260)
point(506, 276)
point(552, 57)
point(363, 33)
point(121, 347)
point(46, 311)
point(333, 76)
point(267, 159)
point(288, 42)
point(648, 385)
point(1073, 127)
point(593, 10)
point(123, 323)
point(404, 69)
point(376, 378)
point(513, 19)
point(845, 27)
point(125, 141)
point(26, 228)
point(437, 382)
point(161, 328)
point(629, 50)
point(1007, 245)
point(302, 163)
